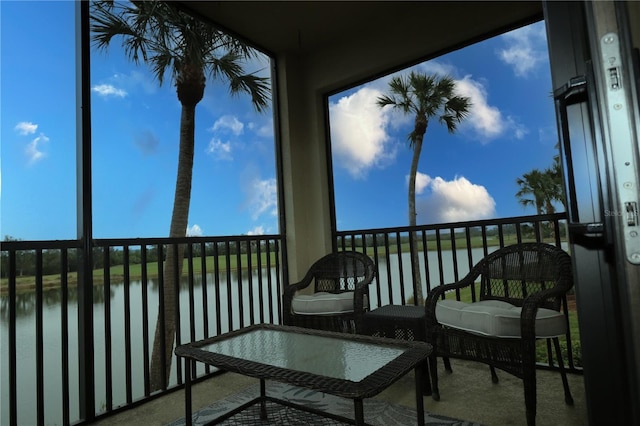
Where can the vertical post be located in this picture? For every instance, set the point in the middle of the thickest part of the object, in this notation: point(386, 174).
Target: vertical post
point(187, 390)
point(359, 411)
point(84, 214)
point(420, 374)
point(13, 364)
point(263, 400)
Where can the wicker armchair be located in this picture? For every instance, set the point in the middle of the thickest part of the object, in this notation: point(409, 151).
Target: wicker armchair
point(521, 288)
point(340, 293)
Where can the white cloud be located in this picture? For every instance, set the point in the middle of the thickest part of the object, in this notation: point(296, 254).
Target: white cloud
point(485, 119)
point(265, 130)
point(258, 230)
point(358, 132)
point(422, 181)
point(33, 150)
point(262, 197)
point(108, 90)
point(133, 82)
point(228, 123)
point(457, 200)
point(360, 128)
point(219, 150)
point(194, 231)
point(437, 67)
point(525, 49)
point(26, 128)
point(519, 130)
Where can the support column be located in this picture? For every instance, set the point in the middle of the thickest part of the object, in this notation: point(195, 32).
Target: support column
point(304, 166)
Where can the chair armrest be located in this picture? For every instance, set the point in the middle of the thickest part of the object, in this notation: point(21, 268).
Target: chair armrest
point(289, 292)
point(361, 289)
point(291, 289)
point(359, 307)
point(530, 307)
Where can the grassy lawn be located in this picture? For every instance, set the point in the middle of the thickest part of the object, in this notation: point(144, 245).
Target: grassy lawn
point(461, 243)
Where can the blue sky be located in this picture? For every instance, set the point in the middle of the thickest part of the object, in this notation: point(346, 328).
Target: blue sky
point(466, 176)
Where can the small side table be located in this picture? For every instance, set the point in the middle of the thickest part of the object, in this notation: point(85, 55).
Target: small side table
point(405, 322)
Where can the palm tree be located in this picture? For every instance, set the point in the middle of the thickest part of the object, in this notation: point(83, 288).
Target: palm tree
point(174, 43)
point(424, 96)
point(556, 184)
point(541, 190)
point(533, 191)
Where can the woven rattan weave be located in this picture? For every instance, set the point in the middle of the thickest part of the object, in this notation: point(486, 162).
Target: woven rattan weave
point(528, 275)
point(405, 322)
point(362, 367)
point(334, 273)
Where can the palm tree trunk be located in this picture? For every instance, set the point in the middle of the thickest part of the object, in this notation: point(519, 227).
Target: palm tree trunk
point(163, 342)
point(415, 259)
point(539, 223)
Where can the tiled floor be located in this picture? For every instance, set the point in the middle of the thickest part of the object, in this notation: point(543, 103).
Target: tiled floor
point(466, 394)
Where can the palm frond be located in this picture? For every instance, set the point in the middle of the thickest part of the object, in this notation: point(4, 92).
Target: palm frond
point(170, 40)
point(160, 63)
point(257, 87)
point(459, 106)
point(230, 66)
point(400, 95)
point(450, 121)
point(426, 96)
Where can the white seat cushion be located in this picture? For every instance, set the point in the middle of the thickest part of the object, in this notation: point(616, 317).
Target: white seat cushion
point(497, 318)
point(322, 303)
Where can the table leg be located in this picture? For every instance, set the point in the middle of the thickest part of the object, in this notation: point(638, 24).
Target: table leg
point(187, 392)
point(357, 403)
point(426, 380)
point(419, 376)
point(263, 401)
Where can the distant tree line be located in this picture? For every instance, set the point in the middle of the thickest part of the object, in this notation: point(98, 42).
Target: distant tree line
point(491, 232)
point(52, 258)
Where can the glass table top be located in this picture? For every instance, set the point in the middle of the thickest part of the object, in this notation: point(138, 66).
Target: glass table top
point(325, 356)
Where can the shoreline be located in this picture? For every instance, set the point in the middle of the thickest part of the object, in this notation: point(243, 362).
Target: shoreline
point(52, 282)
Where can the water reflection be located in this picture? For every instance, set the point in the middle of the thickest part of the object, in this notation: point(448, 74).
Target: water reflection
point(52, 297)
point(26, 301)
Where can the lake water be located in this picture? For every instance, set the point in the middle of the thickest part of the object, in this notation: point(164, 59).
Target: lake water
point(52, 313)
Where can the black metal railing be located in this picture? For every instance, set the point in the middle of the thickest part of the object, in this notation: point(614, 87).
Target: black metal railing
point(226, 283)
point(78, 346)
point(452, 250)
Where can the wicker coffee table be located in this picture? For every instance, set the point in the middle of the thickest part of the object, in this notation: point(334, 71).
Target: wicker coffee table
point(345, 365)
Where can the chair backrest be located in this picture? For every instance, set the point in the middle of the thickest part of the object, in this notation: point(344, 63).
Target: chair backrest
point(342, 271)
point(514, 272)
